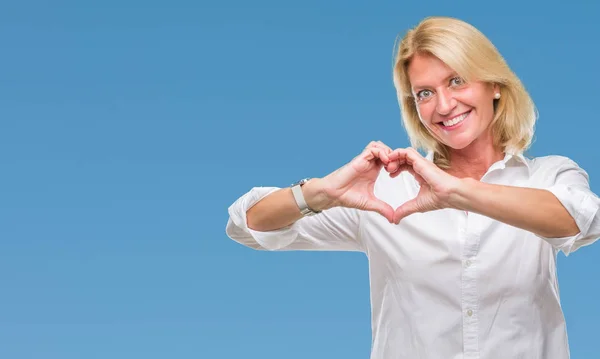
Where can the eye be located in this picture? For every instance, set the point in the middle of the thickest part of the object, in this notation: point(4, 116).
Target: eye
point(423, 94)
point(457, 81)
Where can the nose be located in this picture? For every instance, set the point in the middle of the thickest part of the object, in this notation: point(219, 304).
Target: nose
point(445, 102)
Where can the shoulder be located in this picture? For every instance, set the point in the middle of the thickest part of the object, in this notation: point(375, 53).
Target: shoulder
point(553, 165)
point(550, 161)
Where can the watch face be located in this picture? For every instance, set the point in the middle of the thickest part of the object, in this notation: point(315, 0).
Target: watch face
point(301, 182)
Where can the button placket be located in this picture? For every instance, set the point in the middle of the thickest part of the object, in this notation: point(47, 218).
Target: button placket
point(470, 295)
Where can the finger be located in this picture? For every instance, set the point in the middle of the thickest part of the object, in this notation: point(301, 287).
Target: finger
point(379, 154)
point(383, 155)
point(368, 153)
point(420, 164)
point(378, 144)
point(398, 154)
point(385, 147)
point(412, 156)
point(405, 210)
point(361, 162)
point(409, 154)
point(384, 209)
point(424, 168)
point(397, 160)
point(403, 168)
point(413, 151)
point(393, 167)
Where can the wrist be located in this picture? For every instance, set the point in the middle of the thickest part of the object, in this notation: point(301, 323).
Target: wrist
point(316, 196)
point(459, 195)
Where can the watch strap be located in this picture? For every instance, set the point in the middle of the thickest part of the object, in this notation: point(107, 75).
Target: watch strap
point(300, 201)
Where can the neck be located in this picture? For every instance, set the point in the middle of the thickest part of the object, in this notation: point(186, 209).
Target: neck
point(474, 160)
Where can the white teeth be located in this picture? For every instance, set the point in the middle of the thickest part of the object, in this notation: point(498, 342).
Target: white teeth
point(455, 120)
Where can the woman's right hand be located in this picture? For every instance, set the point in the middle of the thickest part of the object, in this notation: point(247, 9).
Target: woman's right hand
point(352, 185)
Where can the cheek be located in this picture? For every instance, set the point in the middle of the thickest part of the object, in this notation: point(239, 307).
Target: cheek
point(425, 111)
point(477, 97)
point(485, 107)
point(426, 115)
point(468, 98)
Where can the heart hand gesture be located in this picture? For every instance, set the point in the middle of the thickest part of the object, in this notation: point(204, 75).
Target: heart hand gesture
point(352, 185)
point(436, 185)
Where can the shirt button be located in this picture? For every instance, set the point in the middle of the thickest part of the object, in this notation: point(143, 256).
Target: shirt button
point(469, 312)
point(468, 263)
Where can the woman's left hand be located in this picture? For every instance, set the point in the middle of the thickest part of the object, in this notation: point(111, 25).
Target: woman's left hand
point(437, 186)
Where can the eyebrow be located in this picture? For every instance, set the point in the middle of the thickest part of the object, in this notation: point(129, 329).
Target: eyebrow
point(419, 88)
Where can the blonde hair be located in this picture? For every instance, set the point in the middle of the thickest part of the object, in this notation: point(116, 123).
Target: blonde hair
point(473, 56)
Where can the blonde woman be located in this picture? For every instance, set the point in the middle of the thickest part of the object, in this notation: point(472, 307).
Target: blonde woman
point(462, 243)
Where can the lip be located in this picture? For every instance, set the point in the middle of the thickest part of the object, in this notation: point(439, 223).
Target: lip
point(450, 128)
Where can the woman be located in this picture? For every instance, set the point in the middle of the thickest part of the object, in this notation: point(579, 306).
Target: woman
point(461, 243)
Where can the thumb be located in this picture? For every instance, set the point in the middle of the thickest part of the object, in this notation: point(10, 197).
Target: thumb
point(384, 209)
point(405, 210)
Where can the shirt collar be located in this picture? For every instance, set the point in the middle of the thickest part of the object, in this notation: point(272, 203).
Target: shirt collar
point(518, 157)
point(508, 156)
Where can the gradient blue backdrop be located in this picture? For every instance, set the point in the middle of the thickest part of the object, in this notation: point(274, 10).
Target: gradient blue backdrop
point(128, 127)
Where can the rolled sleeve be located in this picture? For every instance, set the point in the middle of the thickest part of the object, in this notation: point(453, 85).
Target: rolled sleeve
point(571, 188)
point(333, 229)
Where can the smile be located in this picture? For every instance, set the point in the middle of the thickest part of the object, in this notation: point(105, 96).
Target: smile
point(455, 121)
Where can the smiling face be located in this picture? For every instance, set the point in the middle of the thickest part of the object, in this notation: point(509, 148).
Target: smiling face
point(457, 113)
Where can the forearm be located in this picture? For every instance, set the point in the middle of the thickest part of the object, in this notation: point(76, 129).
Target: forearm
point(279, 209)
point(534, 210)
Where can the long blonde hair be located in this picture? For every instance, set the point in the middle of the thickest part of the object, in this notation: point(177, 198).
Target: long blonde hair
point(473, 56)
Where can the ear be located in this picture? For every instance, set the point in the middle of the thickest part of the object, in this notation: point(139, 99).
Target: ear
point(495, 88)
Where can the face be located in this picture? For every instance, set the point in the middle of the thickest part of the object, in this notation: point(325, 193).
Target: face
point(457, 113)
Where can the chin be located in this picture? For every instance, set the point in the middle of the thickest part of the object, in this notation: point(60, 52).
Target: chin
point(458, 143)
point(458, 146)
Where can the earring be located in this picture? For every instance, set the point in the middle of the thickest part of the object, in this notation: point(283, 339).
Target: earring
point(497, 95)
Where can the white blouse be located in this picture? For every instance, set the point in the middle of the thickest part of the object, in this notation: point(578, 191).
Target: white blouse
point(449, 284)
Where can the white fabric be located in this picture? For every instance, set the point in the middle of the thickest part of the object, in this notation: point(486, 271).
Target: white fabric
point(447, 284)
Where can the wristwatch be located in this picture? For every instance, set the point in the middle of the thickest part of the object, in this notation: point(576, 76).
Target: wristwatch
point(299, 197)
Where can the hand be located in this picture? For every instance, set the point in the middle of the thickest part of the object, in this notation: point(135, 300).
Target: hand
point(437, 186)
point(352, 185)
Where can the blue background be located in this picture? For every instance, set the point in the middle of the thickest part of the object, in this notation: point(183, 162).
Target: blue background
point(128, 127)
